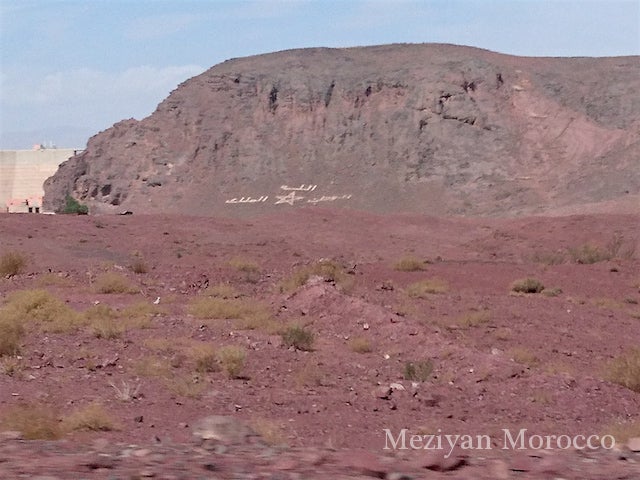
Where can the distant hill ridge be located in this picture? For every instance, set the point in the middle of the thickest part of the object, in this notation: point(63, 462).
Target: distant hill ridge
point(429, 128)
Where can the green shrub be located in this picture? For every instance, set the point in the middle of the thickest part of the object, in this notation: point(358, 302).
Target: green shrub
point(72, 206)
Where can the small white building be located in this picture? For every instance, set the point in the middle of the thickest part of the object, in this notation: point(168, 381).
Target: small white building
point(23, 173)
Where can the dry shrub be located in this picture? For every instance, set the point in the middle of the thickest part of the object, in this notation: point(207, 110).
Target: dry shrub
point(139, 314)
point(409, 263)
point(423, 288)
point(34, 421)
point(92, 418)
point(329, 270)
point(625, 370)
point(590, 253)
point(244, 265)
point(41, 307)
point(160, 369)
point(204, 357)
point(608, 303)
point(270, 432)
point(473, 319)
point(559, 367)
point(249, 269)
point(549, 258)
point(527, 285)
point(53, 280)
point(12, 263)
point(164, 345)
point(12, 366)
point(503, 334)
point(552, 292)
point(185, 385)
point(360, 345)
point(111, 282)
point(418, 371)
point(139, 266)
point(524, 356)
point(126, 391)
point(232, 359)
point(104, 322)
point(153, 367)
point(405, 307)
point(221, 290)
point(624, 431)
point(310, 374)
point(219, 308)
point(11, 335)
point(298, 337)
point(109, 323)
point(248, 314)
point(260, 320)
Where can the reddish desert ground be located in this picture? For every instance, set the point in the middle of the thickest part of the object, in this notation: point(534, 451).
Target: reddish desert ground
point(282, 347)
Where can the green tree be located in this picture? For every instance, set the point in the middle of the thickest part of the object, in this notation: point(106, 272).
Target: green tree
point(73, 206)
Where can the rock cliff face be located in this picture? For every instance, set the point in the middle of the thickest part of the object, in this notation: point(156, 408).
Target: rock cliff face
point(436, 129)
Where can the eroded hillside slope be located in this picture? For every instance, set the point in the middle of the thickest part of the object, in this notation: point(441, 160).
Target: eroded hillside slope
point(435, 129)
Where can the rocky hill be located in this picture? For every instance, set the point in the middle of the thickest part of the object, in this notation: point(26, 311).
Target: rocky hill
point(435, 129)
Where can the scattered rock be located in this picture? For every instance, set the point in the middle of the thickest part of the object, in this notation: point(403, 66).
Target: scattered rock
point(383, 392)
point(363, 463)
point(634, 444)
point(222, 429)
point(441, 462)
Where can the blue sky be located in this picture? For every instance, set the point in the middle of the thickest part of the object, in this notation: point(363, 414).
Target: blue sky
point(70, 68)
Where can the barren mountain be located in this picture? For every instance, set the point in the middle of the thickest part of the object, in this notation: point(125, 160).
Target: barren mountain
point(436, 129)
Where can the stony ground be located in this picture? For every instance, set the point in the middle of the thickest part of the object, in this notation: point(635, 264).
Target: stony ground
point(443, 348)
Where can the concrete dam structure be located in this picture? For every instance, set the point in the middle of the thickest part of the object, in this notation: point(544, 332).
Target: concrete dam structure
point(22, 175)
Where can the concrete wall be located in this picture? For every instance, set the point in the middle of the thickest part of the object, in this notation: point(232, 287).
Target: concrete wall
point(22, 174)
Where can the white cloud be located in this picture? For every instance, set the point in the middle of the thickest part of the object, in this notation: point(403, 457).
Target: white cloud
point(85, 97)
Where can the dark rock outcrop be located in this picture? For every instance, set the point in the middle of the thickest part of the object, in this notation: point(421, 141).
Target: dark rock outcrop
point(436, 129)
